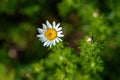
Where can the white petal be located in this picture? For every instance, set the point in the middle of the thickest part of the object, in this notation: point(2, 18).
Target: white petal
point(40, 30)
point(48, 24)
point(57, 40)
point(48, 43)
point(60, 28)
point(43, 39)
point(56, 27)
point(51, 44)
point(45, 44)
point(60, 32)
point(39, 35)
point(44, 26)
point(54, 43)
point(53, 24)
point(60, 35)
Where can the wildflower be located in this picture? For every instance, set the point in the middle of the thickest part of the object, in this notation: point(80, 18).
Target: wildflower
point(50, 34)
point(89, 39)
point(95, 14)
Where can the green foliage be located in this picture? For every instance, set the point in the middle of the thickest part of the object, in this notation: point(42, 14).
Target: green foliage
point(90, 56)
point(6, 74)
point(60, 64)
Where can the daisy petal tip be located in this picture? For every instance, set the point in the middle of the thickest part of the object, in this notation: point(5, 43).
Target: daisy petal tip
point(47, 21)
point(37, 35)
point(38, 29)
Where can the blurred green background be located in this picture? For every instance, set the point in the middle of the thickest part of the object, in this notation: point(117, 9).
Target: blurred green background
point(20, 49)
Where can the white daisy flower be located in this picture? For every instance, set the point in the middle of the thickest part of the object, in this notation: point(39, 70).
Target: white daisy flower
point(50, 34)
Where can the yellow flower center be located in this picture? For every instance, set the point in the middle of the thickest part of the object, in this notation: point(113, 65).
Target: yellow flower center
point(51, 34)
